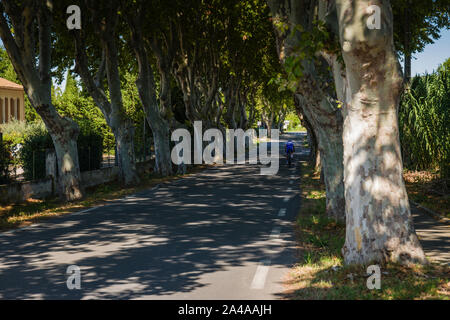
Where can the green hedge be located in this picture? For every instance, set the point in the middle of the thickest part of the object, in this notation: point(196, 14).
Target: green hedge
point(5, 161)
point(33, 154)
point(90, 150)
point(34, 141)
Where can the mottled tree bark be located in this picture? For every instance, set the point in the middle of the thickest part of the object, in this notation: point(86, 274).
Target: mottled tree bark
point(379, 223)
point(328, 132)
point(147, 93)
point(267, 118)
point(124, 134)
point(314, 154)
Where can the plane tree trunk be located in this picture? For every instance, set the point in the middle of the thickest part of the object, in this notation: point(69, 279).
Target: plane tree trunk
point(64, 133)
point(407, 43)
point(231, 98)
point(379, 224)
point(314, 152)
point(147, 93)
point(37, 81)
point(111, 108)
point(326, 126)
point(315, 96)
point(267, 117)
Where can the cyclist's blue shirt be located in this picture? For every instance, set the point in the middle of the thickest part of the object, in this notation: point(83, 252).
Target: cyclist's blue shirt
point(290, 147)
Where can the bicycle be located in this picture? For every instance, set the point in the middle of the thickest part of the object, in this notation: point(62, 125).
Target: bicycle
point(290, 149)
point(290, 157)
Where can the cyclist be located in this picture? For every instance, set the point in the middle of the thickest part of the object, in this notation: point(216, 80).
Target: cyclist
point(290, 149)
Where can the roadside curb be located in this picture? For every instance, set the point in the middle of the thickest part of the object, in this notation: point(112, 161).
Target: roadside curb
point(435, 215)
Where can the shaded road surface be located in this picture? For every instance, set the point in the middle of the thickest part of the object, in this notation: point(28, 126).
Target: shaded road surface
point(434, 236)
point(225, 233)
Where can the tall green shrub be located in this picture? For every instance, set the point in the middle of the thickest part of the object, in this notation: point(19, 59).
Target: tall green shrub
point(424, 117)
point(76, 104)
point(24, 142)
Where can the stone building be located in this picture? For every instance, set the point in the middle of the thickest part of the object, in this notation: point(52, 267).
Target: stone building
point(11, 101)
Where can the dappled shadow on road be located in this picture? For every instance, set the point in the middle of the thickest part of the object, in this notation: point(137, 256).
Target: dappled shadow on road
point(433, 235)
point(156, 243)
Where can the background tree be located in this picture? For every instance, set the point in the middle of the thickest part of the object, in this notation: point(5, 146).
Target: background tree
point(418, 23)
point(101, 21)
point(71, 101)
point(26, 32)
point(6, 68)
point(150, 33)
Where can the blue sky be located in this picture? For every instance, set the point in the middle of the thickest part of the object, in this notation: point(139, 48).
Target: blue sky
point(433, 55)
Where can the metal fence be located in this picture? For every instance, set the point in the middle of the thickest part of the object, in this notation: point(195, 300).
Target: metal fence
point(14, 169)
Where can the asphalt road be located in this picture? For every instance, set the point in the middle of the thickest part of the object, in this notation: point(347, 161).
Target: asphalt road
point(433, 235)
point(225, 233)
